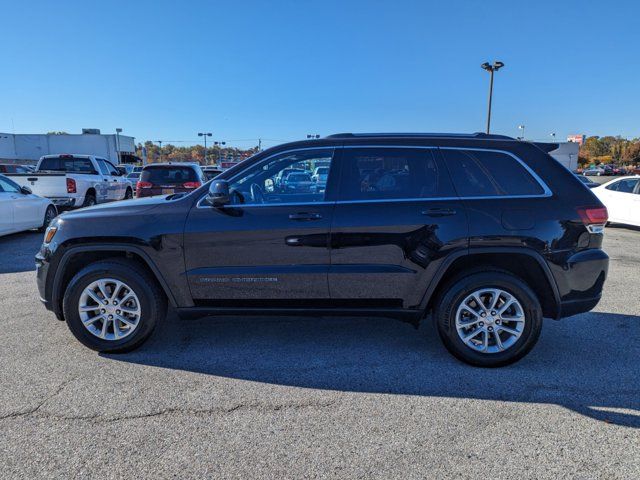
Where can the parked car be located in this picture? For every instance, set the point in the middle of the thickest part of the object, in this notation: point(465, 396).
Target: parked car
point(71, 181)
point(587, 181)
point(297, 182)
point(211, 172)
point(22, 210)
point(320, 175)
point(279, 178)
point(485, 234)
point(134, 176)
point(597, 171)
point(622, 199)
point(169, 178)
point(13, 168)
point(125, 168)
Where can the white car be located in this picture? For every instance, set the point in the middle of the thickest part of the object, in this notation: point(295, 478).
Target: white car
point(22, 210)
point(622, 199)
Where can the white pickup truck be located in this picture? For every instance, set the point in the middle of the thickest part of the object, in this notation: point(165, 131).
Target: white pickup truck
point(72, 181)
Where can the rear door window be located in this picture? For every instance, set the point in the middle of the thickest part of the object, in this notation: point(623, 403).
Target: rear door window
point(379, 173)
point(168, 175)
point(484, 173)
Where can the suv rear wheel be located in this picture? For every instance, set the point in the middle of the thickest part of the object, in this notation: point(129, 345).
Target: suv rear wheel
point(113, 306)
point(489, 319)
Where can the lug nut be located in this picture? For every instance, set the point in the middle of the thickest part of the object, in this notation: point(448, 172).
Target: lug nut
point(498, 322)
point(483, 314)
point(115, 303)
point(117, 312)
point(493, 312)
point(102, 310)
point(481, 324)
point(490, 329)
point(110, 317)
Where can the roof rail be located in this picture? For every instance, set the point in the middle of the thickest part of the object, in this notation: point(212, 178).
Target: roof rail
point(421, 135)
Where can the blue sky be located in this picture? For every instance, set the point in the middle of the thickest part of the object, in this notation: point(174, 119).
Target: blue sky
point(164, 70)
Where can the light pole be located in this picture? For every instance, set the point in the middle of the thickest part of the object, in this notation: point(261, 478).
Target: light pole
point(553, 136)
point(118, 132)
point(160, 151)
point(491, 68)
point(219, 145)
point(521, 127)
point(205, 135)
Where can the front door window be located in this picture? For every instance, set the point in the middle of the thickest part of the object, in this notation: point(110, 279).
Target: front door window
point(285, 178)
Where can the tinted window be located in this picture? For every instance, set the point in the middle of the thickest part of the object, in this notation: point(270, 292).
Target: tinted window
point(389, 173)
point(67, 164)
point(168, 175)
point(625, 186)
point(111, 168)
point(8, 186)
point(488, 174)
point(284, 178)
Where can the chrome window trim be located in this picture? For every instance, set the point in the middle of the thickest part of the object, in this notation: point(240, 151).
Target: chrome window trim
point(546, 190)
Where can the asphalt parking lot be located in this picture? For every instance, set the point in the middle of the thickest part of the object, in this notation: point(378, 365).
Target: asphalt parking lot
point(334, 398)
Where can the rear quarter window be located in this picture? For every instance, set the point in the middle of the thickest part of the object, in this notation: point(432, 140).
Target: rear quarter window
point(483, 173)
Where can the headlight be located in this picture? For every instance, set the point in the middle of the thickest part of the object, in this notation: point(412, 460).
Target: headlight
point(49, 234)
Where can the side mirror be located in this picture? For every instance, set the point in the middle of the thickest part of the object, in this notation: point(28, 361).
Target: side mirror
point(218, 193)
point(25, 191)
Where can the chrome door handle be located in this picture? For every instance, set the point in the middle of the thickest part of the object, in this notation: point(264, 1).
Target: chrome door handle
point(305, 216)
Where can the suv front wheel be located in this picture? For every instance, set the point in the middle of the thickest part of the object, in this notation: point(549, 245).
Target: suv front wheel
point(489, 319)
point(113, 306)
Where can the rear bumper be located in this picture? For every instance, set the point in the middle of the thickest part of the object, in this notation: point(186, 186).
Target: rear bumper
point(580, 280)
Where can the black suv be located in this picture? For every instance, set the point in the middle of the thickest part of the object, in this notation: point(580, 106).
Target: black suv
point(485, 234)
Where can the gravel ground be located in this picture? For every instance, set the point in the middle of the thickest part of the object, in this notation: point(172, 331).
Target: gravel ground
point(317, 398)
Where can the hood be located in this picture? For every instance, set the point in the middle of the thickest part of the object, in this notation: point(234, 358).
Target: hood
point(122, 207)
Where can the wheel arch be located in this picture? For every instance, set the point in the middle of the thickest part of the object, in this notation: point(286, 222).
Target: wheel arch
point(524, 263)
point(77, 257)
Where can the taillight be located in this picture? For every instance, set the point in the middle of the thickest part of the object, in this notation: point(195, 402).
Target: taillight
point(191, 184)
point(71, 185)
point(594, 218)
point(144, 185)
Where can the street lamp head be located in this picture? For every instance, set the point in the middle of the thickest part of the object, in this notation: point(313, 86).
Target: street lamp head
point(200, 134)
point(497, 65)
point(209, 134)
point(118, 130)
point(487, 66)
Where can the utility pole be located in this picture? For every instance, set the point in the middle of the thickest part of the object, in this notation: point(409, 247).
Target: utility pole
point(219, 145)
point(160, 143)
point(205, 135)
point(491, 68)
point(118, 131)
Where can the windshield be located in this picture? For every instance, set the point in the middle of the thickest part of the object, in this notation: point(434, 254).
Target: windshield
point(66, 164)
point(168, 175)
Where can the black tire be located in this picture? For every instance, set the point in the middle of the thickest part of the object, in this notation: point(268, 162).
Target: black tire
point(89, 200)
point(458, 290)
point(152, 303)
point(128, 194)
point(49, 215)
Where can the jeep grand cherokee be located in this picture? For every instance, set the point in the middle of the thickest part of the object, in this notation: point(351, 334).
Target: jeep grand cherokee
point(484, 234)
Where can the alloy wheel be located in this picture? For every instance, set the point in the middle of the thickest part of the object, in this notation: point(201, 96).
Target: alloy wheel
point(490, 320)
point(109, 309)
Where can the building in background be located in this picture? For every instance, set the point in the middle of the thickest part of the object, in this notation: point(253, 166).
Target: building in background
point(579, 139)
point(28, 148)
